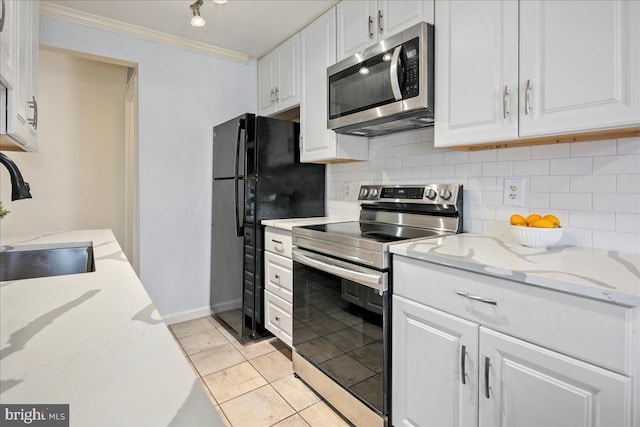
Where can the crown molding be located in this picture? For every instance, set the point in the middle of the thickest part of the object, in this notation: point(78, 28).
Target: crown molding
point(114, 26)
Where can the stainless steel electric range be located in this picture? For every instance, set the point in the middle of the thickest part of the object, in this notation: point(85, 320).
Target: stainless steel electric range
point(341, 293)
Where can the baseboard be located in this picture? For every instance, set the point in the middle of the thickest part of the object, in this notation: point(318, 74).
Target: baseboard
point(183, 316)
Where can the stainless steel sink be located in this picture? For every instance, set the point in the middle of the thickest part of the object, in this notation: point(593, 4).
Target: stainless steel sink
point(56, 259)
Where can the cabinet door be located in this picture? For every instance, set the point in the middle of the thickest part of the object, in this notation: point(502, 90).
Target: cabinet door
point(318, 51)
point(266, 84)
point(532, 386)
point(397, 15)
point(579, 66)
point(357, 26)
point(476, 72)
point(8, 45)
point(427, 363)
point(288, 76)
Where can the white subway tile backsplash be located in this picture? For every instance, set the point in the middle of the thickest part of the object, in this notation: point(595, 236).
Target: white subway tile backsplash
point(468, 169)
point(497, 169)
point(483, 156)
point(624, 163)
point(623, 203)
point(456, 157)
point(570, 201)
point(530, 167)
point(432, 159)
point(623, 242)
point(551, 151)
point(516, 153)
point(443, 171)
point(534, 200)
point(593, 148)
point(628, 146)
point(573, 166)
point(556, 184)
point(593, 188)
point(628, 222)
point(628, 183)
point(592, 184)
point(592, 220)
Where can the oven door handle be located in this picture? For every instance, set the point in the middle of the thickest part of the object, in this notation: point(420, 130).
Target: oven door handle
point(372, 279)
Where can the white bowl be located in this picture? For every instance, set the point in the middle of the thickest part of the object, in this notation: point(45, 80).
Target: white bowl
point(537, 237)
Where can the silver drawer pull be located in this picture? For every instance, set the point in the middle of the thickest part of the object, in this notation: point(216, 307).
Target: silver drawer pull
point(477, 298)
point(277, 318)
point(277, 277)
point(277, 242)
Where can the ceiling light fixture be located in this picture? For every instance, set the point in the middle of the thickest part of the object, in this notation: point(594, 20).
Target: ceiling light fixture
point(197, 20)
point(220, 1)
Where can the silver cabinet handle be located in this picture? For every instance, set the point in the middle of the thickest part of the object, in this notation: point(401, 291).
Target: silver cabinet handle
point(487, 363)
point(277, 276)
point(272, 95)
point(462, 364)
point(277, 318)
point(477, 298)
point(505, 97)
point(277, 94)
point(4, 6)
point(33, 104)
point(380, 21)
point(527, 95)
point(370, 24)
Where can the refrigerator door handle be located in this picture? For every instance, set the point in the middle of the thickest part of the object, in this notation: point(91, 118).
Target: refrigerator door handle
point(236, 179)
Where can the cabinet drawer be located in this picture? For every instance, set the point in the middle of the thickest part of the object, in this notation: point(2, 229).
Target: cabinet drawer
point(277, 241)
point(278, 319)
point(279, 275)
point(586, 329)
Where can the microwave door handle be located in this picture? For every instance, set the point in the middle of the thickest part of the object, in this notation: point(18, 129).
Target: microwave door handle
point(393, 73)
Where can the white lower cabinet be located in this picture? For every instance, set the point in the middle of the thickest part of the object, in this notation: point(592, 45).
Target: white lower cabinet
point(451, 367)
point(278, 284)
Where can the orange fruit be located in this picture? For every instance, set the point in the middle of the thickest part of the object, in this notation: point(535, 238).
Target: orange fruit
point(518, 220)
point(542, 223)
point(554, 219)
point(533, 217)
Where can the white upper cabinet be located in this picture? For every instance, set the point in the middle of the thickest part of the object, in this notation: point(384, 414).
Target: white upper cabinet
point(317, 143)
point(549, 68)
point(579, 66)
point(361, 24)
point(279, 78)
point(19, 45)
point(476, 71)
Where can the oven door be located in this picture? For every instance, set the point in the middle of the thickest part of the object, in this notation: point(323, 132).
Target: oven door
point(341, 324)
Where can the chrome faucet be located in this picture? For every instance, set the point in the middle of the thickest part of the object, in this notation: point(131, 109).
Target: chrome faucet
point(19, 188)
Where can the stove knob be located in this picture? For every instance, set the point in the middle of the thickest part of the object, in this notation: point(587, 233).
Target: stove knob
point(431, 194)
point(445, 194)
point(374, 193)
point(364, 192)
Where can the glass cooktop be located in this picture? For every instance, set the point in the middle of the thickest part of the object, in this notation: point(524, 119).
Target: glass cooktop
point(379, 233)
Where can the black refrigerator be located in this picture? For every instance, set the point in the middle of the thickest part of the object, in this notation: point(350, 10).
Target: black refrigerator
point(257, 175)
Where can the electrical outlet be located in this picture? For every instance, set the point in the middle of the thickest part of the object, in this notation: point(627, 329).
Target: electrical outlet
point(347, 189)
point(514, 191)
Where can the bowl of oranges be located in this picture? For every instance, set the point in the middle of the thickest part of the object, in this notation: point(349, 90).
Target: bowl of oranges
point(536, 231)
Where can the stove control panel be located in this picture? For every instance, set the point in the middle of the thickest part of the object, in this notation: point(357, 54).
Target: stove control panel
point(436, 194)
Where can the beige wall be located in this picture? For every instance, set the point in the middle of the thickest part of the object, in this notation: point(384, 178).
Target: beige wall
point(77, 176)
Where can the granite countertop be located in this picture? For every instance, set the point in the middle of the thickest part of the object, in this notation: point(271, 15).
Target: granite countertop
point(595, 273)
point(95, 341)
point(289, 223)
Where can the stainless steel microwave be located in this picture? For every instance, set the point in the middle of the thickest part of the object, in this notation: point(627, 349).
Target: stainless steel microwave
point(387, 88)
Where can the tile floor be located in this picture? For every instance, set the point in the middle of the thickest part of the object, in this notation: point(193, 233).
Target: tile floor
point(251, 385)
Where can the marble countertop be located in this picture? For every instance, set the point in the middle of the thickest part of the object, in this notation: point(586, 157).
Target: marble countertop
point(95, 341)
point(595, 273)
point(289, 223)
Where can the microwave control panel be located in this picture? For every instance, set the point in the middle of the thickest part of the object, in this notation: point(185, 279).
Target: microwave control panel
point(411, 54)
